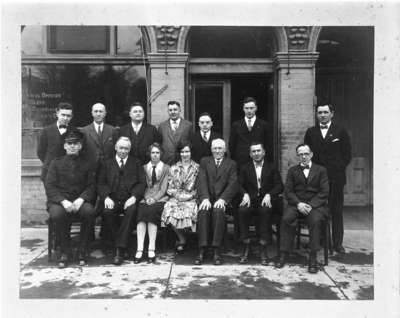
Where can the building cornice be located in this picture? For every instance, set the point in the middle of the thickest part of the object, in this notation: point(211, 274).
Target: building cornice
point(298, 59)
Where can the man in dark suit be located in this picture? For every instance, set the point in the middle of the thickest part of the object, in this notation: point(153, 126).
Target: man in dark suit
point(306, 191)
point(260, 185)
point(50, 143)
point(247, 130)
point(70, 187)
point(174, 131)
point(217, 186)
point(330, 144)
point(201, 140)
point(141, 134)
point(121, 184)
point(99, 137)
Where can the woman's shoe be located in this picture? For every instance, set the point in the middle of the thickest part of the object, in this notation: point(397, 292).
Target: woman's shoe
point(138, 257)
point(151, 259)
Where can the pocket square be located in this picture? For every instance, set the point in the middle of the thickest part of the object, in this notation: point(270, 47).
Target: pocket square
point(336, 139)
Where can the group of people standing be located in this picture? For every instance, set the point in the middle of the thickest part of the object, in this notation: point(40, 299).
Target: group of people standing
point(138, 175)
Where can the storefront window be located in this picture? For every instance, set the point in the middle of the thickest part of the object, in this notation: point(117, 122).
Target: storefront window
point(78, 39)
point(44, 86)
point(129, 41)
point(32, 40)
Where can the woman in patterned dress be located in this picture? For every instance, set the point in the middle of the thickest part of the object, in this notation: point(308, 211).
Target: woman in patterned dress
point(180, 211)
point(151, 207)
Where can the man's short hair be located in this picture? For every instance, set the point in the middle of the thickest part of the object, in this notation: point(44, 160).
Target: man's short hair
point(256, 143)
point(324, 102)
point(64, 105)
point(205, 114)
point(174, 102)
point(249, 99)
point(303, 145)
point(124, 138)
point(134, 105)
point(217, 141)
point(99, 104)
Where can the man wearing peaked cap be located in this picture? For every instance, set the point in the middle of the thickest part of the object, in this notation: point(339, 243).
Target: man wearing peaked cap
point(70, 188)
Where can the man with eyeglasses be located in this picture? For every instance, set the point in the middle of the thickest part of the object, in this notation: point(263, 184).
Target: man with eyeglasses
point(306, 191)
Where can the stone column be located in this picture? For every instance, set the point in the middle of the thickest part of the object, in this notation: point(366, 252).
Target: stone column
point(167, 78)
point(295, 101)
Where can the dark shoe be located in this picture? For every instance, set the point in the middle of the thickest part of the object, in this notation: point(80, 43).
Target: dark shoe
point(118, 258)
point(339, 249)
point(245, 255)
point(82, 258)
point(180, 247)
point(263, 255)
point(199, 258)
point(281, 261)
point(313, 265)
point(151, 260)
point(137, 260)
point(217, 258)
point(63, 262)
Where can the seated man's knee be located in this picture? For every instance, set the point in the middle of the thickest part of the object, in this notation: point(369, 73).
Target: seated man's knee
point(218, 212)
point(57, 212)
point(87, 211)
point(242, 210)
point(264, 210)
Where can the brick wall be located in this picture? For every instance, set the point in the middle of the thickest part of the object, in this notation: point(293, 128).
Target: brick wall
point(296, 113)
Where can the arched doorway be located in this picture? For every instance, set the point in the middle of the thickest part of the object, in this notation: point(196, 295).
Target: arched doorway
point(227, 64)
point(344, 75)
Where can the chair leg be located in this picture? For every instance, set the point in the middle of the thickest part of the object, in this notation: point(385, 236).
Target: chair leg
point(326, 242)
point(49, 239)
point(298, 235)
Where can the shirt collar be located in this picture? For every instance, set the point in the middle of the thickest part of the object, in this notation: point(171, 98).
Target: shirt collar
point(310, 164)
point(253, 119)
point(328, 124)
point(175, 121)
point(58, 126)
point(258, 164)
point(159, 165)
point(119, 159)
point(136, 125)
point(97, 125)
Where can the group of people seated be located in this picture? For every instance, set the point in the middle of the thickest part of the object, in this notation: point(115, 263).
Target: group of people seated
point(182, 180)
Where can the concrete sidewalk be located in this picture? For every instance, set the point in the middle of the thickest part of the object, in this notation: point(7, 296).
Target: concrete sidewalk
point(348, 276)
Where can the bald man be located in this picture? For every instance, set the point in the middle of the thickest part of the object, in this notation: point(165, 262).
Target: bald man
point(99, 137)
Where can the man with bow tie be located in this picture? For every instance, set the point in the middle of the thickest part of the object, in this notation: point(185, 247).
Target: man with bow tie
point(331, 146)
point(50, 143)
point(174, 131)
point(201, 140)
point(306, 191)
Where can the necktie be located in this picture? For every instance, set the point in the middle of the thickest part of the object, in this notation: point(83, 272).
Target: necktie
point(174, 125)
point(62, 126)
point(153, 176)
point(305, 167)
point(205, 136)
point(98, 130)
point(249, 126)
point(324, 126)
point(121, 164)
point(218, 162)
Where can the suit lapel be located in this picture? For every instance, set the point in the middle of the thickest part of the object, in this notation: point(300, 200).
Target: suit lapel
point(253, 174)
point(301, 174)
point(311, 174)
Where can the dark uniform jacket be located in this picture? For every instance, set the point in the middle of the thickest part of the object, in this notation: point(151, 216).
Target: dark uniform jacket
point(271, 181)
point(217, 183)
point(147, 135)
point(68, 178)
point(333, 152)
point(111, 179)
point(241, 139)
point(313, 190)
point(201, 148)
point(50, 146)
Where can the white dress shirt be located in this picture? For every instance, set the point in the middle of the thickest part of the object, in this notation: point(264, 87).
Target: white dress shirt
point(258, 168)
point(119, 160)
point(174, 123)
point(206, 136)
point(159, 167)
point(96, 127)
point(136, 127)
point(307, 171)
point(61, 130)
point(324, 131)
point(250, 121)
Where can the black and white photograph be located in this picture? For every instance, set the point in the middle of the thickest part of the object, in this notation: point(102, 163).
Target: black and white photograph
point(241, 159)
